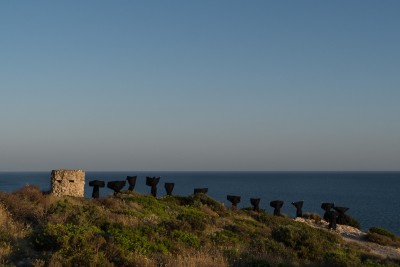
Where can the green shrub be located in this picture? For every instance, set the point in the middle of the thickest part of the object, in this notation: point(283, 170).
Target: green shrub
point(383, 240)
point(270, 220)
point(244, 227)
point(77, 245)
point(309, 243)
point(175, 224)
point(125, 212)
point(225, 238)
point(65, 236)
point(350, 221)
point(63, 211)
point(341, 259)
point(151, 206)
point(186, 238)
point(261, 246)
point(206, 200)
point(381, 231)
point(135, 239)
point(198, 200)
point(383, 237)
point(61, 206)
point(195, 218)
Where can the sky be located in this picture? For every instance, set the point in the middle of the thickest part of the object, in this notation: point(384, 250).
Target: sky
point(200, 85)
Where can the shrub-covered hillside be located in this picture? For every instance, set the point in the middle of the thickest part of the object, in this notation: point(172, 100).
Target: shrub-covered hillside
point(139, 230)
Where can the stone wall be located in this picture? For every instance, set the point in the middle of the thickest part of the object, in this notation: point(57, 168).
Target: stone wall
point(68, 182)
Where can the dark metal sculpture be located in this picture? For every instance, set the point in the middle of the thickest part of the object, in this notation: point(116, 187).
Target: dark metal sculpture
point(332, 219)
point(327, 208)
point(169, 187)
point(200, 190)
point(298, 205)
point(341, 219)
point(153, 181)
point(116, 186)
point(96, 187)
point(255, 202)
point(132, 182)
point(234, 200)
point(277, 205)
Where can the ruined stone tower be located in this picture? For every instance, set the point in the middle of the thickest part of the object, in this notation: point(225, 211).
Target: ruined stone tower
point(68, 183)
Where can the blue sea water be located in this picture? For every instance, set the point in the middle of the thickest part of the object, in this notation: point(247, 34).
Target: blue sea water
point(373, 197)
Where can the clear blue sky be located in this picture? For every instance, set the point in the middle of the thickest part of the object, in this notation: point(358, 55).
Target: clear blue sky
point(200, 85)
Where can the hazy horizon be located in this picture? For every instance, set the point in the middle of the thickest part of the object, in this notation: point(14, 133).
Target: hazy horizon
point(205, 171)
point(204, 86)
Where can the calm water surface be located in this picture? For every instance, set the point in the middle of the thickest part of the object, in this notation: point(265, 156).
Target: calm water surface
point(373, 197)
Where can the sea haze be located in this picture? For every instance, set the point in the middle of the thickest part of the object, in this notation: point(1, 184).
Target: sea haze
point(372, 197)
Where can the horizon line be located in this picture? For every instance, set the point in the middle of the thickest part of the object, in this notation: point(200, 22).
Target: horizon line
point(203, 170)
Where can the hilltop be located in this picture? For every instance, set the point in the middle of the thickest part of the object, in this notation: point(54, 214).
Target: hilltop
point(131, 229)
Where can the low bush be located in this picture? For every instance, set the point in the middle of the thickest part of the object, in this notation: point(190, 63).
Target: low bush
point(63, 236)
point(381, 231)
point(307, 242)
point(339, 258)
point(137, 240)
point(22, 208)
point(225, 238)
point(195, 218)
point(350, 221)
point(65, 212)
point(76, 245)
point(383, 239)
point(186, 238)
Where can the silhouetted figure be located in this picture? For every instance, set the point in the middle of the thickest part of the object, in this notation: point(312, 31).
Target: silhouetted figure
point(341, 219)
point(299, 206)
point(333, 217)
point(327, 208)
point(116, 186)
point(277, 205)
point(96, 187)
point(169, 187)
point(234, 200)
point(132, 182)
point(153, 181)
point(200, 190)
point(255, 202)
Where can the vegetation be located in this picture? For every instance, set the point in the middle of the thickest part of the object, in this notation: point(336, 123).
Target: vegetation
point(383, 237)
point(139, 230)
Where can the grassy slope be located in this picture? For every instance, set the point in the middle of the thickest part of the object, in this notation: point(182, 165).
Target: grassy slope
point(139, 230)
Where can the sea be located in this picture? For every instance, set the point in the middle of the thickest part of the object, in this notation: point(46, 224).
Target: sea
point(372, 197)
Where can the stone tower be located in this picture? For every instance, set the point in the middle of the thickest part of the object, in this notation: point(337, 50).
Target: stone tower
point(68, 183)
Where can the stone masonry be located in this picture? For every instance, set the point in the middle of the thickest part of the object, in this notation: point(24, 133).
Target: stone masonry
point(68, 183)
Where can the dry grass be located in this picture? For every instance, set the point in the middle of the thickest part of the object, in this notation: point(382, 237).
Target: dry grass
point(111, 203)
point(6, 226)
point(383, 240)
point(26, 205)
point(5, 252)
point(199, 259)
point(9, 232)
